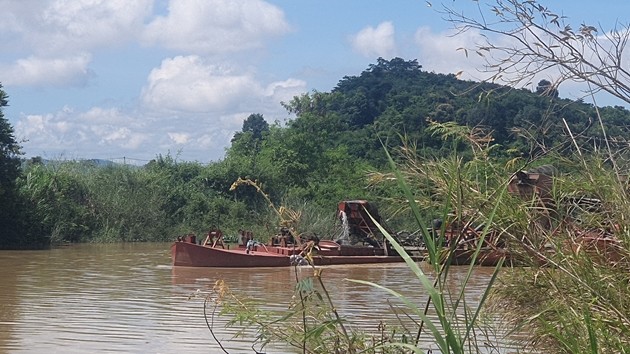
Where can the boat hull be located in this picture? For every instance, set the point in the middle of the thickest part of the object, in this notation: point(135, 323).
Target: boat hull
point(193, 255)
point(485, 257)
point(188, 254)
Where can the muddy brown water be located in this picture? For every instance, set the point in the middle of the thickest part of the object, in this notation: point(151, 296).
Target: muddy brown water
point(127, 298)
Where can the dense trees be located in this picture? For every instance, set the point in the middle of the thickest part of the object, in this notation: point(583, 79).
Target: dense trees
point(321, 156)
point(9, 149)
point(395, 97)
point(9, 172)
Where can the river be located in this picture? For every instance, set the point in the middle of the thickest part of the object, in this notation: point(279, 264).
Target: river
point(127, 298)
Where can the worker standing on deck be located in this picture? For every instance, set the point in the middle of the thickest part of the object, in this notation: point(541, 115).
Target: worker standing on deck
point(249, 246)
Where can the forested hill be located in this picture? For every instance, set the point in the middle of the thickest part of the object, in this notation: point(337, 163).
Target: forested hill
point(336, 136)
point(397, 97)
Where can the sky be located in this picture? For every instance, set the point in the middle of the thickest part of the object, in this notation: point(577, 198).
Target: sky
point(133, 79)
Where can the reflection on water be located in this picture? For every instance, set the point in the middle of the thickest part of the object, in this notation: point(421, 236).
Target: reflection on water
point(127, 298)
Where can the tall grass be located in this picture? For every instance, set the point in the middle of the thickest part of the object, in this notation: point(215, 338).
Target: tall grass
point(76, 201)
point(571, 297)
point(578, 301)
point(312, 323)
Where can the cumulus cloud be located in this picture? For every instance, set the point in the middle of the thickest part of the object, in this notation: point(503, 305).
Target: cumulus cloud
point(445, 52)
point(215, 26)
point(89, 132)
point(193, 85)
point(189, 84)
point(112, 128)
point(375, 42)
point(282, 91)
point(55, 26)
point(36, 71)
point(60, 34)
point(105, 116)
point(285, 90)
point(189, 105)
point(179, 138)
point(212, 99)
point(190, 102)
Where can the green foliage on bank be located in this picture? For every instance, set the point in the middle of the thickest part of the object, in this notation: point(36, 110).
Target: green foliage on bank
point(330, 151)
point(569, 296)
point(77, 201)
point(14, 216)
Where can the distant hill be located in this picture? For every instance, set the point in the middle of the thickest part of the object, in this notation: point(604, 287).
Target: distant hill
point(395, 97)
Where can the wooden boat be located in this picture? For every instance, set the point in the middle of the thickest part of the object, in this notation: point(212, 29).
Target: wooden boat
point(487, 257)
point(600, 245)
point(186, 252)
point(466, 239)
point(285, 249)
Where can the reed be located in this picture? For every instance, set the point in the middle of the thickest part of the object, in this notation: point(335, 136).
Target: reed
point(577, 300)
point(453, 331)
point(312, 323)
point(571, 296)
point(77, 201)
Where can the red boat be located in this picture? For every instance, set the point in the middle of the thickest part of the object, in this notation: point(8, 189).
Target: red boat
point(486, 257)
point(191, 254)
point(284, 249)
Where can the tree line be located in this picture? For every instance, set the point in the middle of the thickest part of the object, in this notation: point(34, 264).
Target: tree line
point(321, 156)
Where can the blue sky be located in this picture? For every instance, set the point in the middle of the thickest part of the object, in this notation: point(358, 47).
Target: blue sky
point(136, 78)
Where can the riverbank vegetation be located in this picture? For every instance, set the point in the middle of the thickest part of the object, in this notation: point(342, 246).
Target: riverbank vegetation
point(420, 145)
point(332, 150)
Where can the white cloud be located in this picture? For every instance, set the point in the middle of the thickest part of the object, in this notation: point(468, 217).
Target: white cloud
point(188, 84)
point(36, 71)
point(442, 52)
point(376, 42)
point(98, 115)
point(119, 135)
point(47, 132)
point(179, 138)
point(81, 132)
point(58, 26)
point(216, 26)
point(59, 35)
point(285, 90)
point(190, 109)
point(187, 105)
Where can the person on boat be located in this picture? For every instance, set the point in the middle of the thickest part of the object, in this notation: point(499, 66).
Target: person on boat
point(249, 247)
point(247, 240)
point(286, 237)
point(190, 238)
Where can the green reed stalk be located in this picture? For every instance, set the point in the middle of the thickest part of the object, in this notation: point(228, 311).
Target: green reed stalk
point(449, 340)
